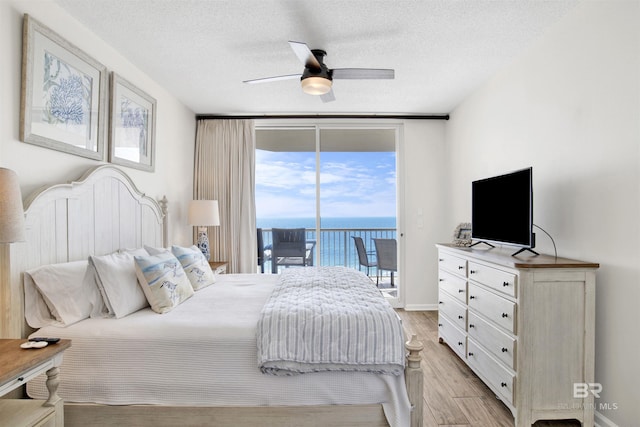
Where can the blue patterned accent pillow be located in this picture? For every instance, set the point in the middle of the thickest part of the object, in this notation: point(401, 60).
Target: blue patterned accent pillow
point(195, 265)
point(163, 281)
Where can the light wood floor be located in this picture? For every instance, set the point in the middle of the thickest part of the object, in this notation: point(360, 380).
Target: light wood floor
point(453, 394)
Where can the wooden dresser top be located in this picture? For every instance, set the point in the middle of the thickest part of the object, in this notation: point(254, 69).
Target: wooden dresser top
point(503, 256)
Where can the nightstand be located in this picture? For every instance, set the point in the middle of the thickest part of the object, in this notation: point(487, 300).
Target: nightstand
point(17, 367)
point(218, 267)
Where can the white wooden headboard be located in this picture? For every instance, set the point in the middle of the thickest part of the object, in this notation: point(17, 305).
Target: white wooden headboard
point(101, 212)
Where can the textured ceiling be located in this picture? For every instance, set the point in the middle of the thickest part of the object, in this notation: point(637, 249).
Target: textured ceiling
point(202, 50)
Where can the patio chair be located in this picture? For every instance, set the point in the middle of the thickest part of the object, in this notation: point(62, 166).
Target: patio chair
point(261, 259)
point(363, 256)
point(289, 248)
point(387, 255)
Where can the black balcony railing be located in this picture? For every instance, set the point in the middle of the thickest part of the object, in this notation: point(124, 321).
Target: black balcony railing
point(334, 246)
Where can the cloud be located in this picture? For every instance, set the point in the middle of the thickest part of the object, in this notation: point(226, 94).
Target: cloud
point(352, 184)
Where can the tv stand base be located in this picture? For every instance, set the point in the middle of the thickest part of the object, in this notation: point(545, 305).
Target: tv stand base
point(525, 249)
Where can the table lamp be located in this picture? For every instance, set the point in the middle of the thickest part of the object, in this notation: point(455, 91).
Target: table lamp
point(203, 213)
point(11, 210)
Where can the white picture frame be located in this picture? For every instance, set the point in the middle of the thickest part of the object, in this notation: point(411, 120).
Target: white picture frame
point(132, 116)
point(63, 94)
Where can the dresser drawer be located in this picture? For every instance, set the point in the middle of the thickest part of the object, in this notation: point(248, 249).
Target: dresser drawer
point(454, 337)
point(493, 307)
point(451, 308)
point(452, 263)
point(501, 281)
point(453, 285)
point(501, 345)
point(500, 379)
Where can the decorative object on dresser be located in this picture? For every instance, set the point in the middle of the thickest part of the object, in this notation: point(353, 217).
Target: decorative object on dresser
point(462, 234)
point(63, 97)
point(524, 325)
point(132, 131)
point(204, 213)
point(17, 367)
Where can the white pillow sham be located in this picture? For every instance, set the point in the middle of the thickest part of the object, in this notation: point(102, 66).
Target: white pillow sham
point(67, 291)
point(163, 281)
point(115, 276)
point(195, 265)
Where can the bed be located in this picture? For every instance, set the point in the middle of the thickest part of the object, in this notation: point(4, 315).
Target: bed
point(103, 212)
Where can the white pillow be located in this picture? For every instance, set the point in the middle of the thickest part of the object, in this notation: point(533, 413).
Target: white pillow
point(36, 312)
point(163, 281)
point(115, 276)
point(195, 265)
point(155, 251)
point(66, 290)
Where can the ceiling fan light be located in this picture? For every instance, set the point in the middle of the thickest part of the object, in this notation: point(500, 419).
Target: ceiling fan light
point(316, 85)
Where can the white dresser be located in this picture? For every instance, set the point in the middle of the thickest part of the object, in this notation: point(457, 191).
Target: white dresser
point(525, 325)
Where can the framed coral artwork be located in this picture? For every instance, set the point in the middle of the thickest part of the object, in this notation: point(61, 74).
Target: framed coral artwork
point(132, 125)
point(63, 96)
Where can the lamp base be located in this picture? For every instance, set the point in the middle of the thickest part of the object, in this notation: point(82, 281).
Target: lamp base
point(203, 242)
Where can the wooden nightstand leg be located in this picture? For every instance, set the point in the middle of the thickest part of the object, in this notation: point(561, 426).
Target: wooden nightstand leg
point(54, 400)
point(52, 386)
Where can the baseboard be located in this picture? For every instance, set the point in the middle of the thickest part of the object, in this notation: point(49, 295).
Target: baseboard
point(421, 307)
point(602, 421)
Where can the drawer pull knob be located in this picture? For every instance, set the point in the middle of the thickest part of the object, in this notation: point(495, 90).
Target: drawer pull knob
point(439, 325)
point(503, 384)
point(440, 302)
point(505, 315)
point(460, 317)
point(505, 284)
point(504, 349)
point(473, 271)
point(460, 291)
point(460, 343)
point(440, 259)
point(472, 297)
point(440, 280)
point(470, 354)
point(471, 325)
point(460, 267)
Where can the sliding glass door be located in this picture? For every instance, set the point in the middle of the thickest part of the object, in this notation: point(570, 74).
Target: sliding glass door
point(337, 182)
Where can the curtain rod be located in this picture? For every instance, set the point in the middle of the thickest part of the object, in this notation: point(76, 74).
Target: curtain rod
point(324, 116)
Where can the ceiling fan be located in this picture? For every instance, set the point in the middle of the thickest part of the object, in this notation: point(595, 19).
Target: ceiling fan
point(317, 78)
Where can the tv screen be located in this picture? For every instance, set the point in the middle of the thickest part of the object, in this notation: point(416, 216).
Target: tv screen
point(502, 209)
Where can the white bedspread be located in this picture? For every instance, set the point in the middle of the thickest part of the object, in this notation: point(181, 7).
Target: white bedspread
point(328, 319)
point(203, 353)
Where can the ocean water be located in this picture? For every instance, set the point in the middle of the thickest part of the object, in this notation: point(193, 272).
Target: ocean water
point(329, 222)
point(334, 242)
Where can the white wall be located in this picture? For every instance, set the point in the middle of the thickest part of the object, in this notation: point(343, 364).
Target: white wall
point(570, 107)
point(37, 166)
point(424, 210)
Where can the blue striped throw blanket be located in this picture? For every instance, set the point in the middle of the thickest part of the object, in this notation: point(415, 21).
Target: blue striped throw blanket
point(328, 318)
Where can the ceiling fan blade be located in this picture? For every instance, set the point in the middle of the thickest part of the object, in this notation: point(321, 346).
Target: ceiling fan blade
point(273, 79)
point(328, 97)
point(304, 54)
point(363, 73)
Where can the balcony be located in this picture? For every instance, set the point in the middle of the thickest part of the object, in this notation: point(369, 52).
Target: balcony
point(335, 247)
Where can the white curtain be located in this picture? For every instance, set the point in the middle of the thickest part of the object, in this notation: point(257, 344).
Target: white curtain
point(225, 171)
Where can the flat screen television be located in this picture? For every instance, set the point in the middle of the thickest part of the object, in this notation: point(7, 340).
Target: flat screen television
point(502, 209)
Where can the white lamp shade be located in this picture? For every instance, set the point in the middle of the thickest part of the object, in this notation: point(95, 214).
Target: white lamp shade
point(204, 213)
point(11, 210)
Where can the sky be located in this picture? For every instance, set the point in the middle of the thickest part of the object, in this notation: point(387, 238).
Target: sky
point(360, 184)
